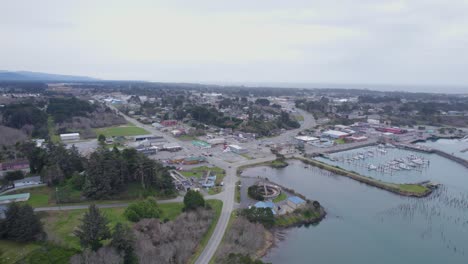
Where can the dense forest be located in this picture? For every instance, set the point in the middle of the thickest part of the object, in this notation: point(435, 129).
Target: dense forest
point(104, 174)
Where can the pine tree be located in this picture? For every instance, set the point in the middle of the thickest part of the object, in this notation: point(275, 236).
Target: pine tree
point(193, 200)
point(122, 241)
point(93, 229)
point(21, 224)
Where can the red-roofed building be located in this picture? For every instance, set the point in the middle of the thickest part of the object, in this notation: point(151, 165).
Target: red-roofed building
point(15, 165)
point(168, 123)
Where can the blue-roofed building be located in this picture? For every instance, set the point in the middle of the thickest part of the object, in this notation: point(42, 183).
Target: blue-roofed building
point(267, 204)
point(295, 202)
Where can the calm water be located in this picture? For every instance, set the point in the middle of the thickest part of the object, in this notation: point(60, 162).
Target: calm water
point(436, 167)
point(452, 146)
point(368, 225)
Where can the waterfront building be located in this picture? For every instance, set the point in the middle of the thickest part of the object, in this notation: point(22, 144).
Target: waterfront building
point(295, 202)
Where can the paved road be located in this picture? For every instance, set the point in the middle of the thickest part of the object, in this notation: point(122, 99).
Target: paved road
point(227, 196)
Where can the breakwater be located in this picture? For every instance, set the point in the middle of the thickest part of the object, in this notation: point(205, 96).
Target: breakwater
point(410, 190)
point(444, 154)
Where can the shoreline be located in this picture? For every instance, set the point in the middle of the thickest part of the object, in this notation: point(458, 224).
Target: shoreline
point(399, 189)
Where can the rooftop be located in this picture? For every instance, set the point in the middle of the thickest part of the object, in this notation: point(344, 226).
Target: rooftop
point(306, 138)
point(14, 196)
point(335, 133)
point(296, 200)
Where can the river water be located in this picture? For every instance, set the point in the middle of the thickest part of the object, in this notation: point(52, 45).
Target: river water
point(368, 225)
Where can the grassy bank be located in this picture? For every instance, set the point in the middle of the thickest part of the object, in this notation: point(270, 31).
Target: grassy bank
point(238, 192)
point(216, 205)
point(306, 215)
point(280, 198)
point(275, 164)
point(413, 190)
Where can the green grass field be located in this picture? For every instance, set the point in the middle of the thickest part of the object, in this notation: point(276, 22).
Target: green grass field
point(198, 172)
point(12, 252)
point(280, 198)
point(129, 130)
point(39, 196)
point(59, 225)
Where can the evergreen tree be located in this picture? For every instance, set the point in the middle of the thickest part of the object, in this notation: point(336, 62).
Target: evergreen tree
point(20, 224)
point(122, 241)
point(193, 200)
point(93, 229)
point(101, 138)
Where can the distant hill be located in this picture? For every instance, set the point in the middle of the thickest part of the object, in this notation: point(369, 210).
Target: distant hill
point(39, 76)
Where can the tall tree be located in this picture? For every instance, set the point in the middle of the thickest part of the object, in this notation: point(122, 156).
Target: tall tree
point(93, 229)
point(193, 200)
point(20, 224)
point(123, 240)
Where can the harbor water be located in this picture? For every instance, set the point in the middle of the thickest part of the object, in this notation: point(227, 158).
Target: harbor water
point(368, 225)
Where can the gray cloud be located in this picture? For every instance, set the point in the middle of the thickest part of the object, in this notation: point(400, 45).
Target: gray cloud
point(390, 42)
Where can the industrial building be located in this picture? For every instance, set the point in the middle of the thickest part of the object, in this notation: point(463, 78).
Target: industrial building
point(306, 139)
point(335, 134)
point(172, 147)
point(237, 149)
point(216, 141)
point(70, 136)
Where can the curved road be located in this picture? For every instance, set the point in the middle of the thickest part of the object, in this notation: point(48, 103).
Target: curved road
point(227, 196)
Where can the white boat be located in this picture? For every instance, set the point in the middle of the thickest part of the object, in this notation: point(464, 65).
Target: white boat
point(418, 161)
point(403, 166)
point(382, 150)
point(372, 167)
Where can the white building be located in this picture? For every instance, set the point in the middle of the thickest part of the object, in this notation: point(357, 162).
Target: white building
point(29, 181)
point(70, 136)
point(237, 149)
point(216, 141)
point(306, 139)
point(335, 134)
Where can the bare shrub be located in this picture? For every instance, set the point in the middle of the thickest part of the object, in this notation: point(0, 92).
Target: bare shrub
point(171, 242)
point(9, 136)
point(105, 255)
point(243, 237)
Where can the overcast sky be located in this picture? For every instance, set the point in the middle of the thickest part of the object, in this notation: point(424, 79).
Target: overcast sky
point(359, 41)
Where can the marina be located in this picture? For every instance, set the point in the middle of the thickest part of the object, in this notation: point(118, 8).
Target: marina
point(384, 162)
point(365, 218)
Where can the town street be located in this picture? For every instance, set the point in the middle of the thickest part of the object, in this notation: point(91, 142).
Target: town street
point(227, 196)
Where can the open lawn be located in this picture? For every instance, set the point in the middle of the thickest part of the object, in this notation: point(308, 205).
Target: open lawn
point(59, 225)
point(11, 252)
point(51, 128)
point(280, 198)
point(121, 131)
point(217, 205)
point(299, 118)
point(40, 196)
point(198, 172)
